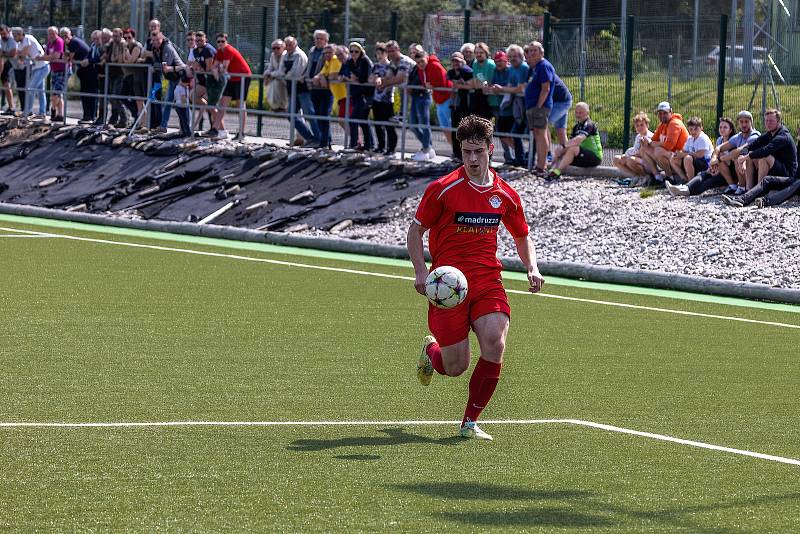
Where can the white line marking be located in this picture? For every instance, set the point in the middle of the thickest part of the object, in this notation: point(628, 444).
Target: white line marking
point(578, 422)
point(400, 277)
point(28, 236)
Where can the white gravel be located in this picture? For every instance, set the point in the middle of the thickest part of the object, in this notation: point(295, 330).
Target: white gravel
point(596, 221)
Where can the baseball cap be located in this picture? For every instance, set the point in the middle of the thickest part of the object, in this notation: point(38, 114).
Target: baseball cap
point(744, 114)
point(459, 56)
point(664, 106)
point(500, 55)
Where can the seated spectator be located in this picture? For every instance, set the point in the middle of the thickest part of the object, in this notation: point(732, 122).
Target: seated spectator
point(716, 175)
point(728, 153)
point(670, 136)
point(693, 158)
point(383, 102)
point(583, 149)
point(182, 101)
point(630, 163)
point(772, 154)
point(771, 191)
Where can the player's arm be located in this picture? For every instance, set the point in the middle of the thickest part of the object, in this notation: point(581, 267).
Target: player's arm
point(527, 253)
point(416, 251)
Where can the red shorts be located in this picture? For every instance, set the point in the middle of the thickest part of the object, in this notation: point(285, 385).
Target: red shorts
point(452, 326)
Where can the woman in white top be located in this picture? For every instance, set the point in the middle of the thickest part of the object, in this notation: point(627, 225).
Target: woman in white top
point(630, 163)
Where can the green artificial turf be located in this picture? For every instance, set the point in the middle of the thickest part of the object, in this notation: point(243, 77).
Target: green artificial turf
point(94, 332)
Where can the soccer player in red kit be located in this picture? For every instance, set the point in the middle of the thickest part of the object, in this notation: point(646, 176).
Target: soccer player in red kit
point(463, 211)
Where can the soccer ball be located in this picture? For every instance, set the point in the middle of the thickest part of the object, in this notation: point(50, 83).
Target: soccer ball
point(446, 287)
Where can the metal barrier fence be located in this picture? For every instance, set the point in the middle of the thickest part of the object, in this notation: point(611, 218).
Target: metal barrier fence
point(155, 86)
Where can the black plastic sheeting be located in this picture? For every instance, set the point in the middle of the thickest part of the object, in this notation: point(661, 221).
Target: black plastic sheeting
point(178, 179)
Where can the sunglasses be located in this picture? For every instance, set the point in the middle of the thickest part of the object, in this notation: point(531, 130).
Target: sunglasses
point(276, 47)
point(221, 42)
point(418, 56)
point(355, 51)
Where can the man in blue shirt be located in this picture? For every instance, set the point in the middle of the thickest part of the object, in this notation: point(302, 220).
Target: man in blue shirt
point(539, 101)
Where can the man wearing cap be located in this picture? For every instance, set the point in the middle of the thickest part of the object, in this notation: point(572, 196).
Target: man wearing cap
point(728, 154)
point(670, 136)
point(773, 153)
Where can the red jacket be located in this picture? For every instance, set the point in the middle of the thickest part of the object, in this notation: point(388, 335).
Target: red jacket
point(436, 75)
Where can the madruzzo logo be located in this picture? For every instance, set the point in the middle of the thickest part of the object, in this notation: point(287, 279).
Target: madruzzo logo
point(478, 219)
point(495, 201)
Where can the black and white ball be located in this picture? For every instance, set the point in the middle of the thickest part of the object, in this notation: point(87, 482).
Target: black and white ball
point(446, 287)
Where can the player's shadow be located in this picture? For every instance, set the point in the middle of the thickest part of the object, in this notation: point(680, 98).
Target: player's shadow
point(393, 436)
point(551, 510)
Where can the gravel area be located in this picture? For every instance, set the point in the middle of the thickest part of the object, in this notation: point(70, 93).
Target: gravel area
point(596, 221)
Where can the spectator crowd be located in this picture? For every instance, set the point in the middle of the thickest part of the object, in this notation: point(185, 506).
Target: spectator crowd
point(516, 87)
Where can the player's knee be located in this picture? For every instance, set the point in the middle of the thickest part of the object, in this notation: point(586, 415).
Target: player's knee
point(456, 368)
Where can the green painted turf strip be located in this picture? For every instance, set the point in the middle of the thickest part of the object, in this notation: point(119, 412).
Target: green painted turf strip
point(375, 260)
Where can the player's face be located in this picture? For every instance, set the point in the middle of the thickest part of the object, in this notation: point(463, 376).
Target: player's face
point(476, 156)
point(581, 114)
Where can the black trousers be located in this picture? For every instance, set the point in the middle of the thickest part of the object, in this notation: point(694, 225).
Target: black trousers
point(387, 135)
point(778, 189)
point(456, 115)
point(20, 76)
point(88, 78)
point(705, 181)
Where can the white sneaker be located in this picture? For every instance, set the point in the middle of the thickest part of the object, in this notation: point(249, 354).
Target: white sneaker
point(421, 155)
point(431, 152)
point(471, 430)
point(681, 190)
point(222, 134)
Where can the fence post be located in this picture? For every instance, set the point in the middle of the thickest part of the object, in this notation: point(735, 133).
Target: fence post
point(723, 28)
point(151, 10)
point(105, 95)
point(626, 126)
point(242, 106)
point(263, 63)
point(52, 12)
point(669, 77)
point(205, 16)
point(99, 23)
point(583, 75)
point(326, 19)
point(5, 13)
point(347, 116)
point(404, 111)
point(292, 110)
point(546, 34)
point(393, 25)
point(467, 15)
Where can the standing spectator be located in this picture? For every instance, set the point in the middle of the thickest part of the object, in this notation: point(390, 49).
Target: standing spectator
point(359, 67)
point(20, 66)
point(516, 90)
point(729, 153)
point(54, 54)
point(28, 52)
point(115, 55)
point(670, 135)
point(234, 64)
point(773, 153)
point(203, 59)
point(583, 149)
point(103, 81)
point(539, 101)
point(321, 99)
point(182, 101)
point(8, 50)
point(718, 173)
point(383, 102)
point(461, 77)
point(630, 163)
point(468, 51)
point(339, 88)
point(425, 74)
point(434, 78)
point(502, 107)
point(328, 77)
point(693, 158)
point(77, 51)
point(277, 98)
point(483, 70)
point(172, 68)
point(153, 30)
point(134, 84)
point(562, 103)
point(294, 65)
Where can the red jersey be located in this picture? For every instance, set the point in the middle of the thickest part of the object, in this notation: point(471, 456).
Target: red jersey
point(464, 218)
point(237, 63)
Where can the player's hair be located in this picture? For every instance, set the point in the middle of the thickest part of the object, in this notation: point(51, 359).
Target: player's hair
point(641, 117)
point(485, 48)
point(475, 128)
point(222, 36)
point(695, 121)
point(773, 111)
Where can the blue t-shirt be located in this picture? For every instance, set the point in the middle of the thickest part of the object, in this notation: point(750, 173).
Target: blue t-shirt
point(503, 79)
point(79, 49)
point(738, 140)
point(543, 72)
point(519, 74)
point(561, 92)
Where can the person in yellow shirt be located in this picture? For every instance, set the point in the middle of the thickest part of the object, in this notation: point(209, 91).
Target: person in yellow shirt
point(327, 78)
